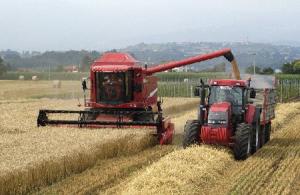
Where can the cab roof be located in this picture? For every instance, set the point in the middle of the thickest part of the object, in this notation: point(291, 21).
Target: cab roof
point(115, 61)
point(228, 82)
point(115, 58)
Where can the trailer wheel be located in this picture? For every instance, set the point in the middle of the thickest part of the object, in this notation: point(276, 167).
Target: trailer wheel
point(257, 136)
point(243, 137)
point(263, 135)
point(267, 132)
point(191, 133)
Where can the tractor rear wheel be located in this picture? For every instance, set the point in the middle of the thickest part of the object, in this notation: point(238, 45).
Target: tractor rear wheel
point(243, 137)
point(191, 133)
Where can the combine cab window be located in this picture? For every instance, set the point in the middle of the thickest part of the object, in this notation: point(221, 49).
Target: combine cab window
point(114, 87)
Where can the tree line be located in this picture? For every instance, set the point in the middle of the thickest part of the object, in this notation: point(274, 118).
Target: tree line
point(287, 68)
point(4, 67)
point(56, 60)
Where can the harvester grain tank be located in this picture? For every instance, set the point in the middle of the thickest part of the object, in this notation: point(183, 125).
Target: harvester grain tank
point(124, 94)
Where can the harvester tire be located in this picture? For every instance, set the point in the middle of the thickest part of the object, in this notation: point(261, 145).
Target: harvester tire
point(191, 133)
point(243, 137)
point(267, 132)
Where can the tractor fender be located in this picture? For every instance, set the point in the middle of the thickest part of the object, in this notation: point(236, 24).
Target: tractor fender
point(252, 114)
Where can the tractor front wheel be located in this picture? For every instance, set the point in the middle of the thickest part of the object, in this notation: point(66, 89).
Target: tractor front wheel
point(243, 137)
point(191, 133)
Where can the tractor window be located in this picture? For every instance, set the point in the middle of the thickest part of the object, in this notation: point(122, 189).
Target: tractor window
point(234, 95)
point(114, 87)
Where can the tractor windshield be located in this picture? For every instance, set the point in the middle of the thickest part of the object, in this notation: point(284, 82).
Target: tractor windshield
point(233, 95)
point(114, 87)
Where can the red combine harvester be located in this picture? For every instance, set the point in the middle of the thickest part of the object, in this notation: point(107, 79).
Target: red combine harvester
point(124, 94)
point(233, 115)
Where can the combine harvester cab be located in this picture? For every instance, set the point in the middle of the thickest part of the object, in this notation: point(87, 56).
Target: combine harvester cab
point(232, 113)
point(123, 94)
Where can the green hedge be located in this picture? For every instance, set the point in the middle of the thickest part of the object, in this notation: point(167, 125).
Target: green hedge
point(44, 75)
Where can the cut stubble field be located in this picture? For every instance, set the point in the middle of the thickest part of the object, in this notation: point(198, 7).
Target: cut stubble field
point(32, 157)
point(274, 169)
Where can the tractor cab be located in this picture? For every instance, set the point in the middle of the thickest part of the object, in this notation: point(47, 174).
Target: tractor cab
point(226, 100)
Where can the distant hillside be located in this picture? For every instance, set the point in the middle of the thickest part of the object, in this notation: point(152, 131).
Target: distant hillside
point(49, 58)
point(267, 55)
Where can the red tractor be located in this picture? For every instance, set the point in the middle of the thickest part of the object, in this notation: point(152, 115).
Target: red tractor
point(123, 94)
point(231, 114)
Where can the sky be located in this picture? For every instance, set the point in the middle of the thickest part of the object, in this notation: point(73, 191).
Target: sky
point(42, 25)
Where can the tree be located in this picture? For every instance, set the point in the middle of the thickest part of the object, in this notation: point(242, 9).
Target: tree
point(268, 70)
point(287, 68)
point(250, 69)
point(59, 68)
point(3, 67)
point(296, 67)
point(86, 62)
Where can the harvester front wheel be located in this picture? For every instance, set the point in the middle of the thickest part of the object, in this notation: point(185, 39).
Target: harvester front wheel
point(191, 133)
point(243, 137)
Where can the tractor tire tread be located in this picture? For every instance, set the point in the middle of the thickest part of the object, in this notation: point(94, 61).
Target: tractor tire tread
point(191, 133)
point(242, 134)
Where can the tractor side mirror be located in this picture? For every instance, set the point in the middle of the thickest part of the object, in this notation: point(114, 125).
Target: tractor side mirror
point(197, 91)
point(84, 87)
point(252, 93)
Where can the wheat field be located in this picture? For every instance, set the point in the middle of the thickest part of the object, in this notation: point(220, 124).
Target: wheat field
point(97, 176)
point(274, 169)
point(32, 157)
point(52, 160)
point(16, 90)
